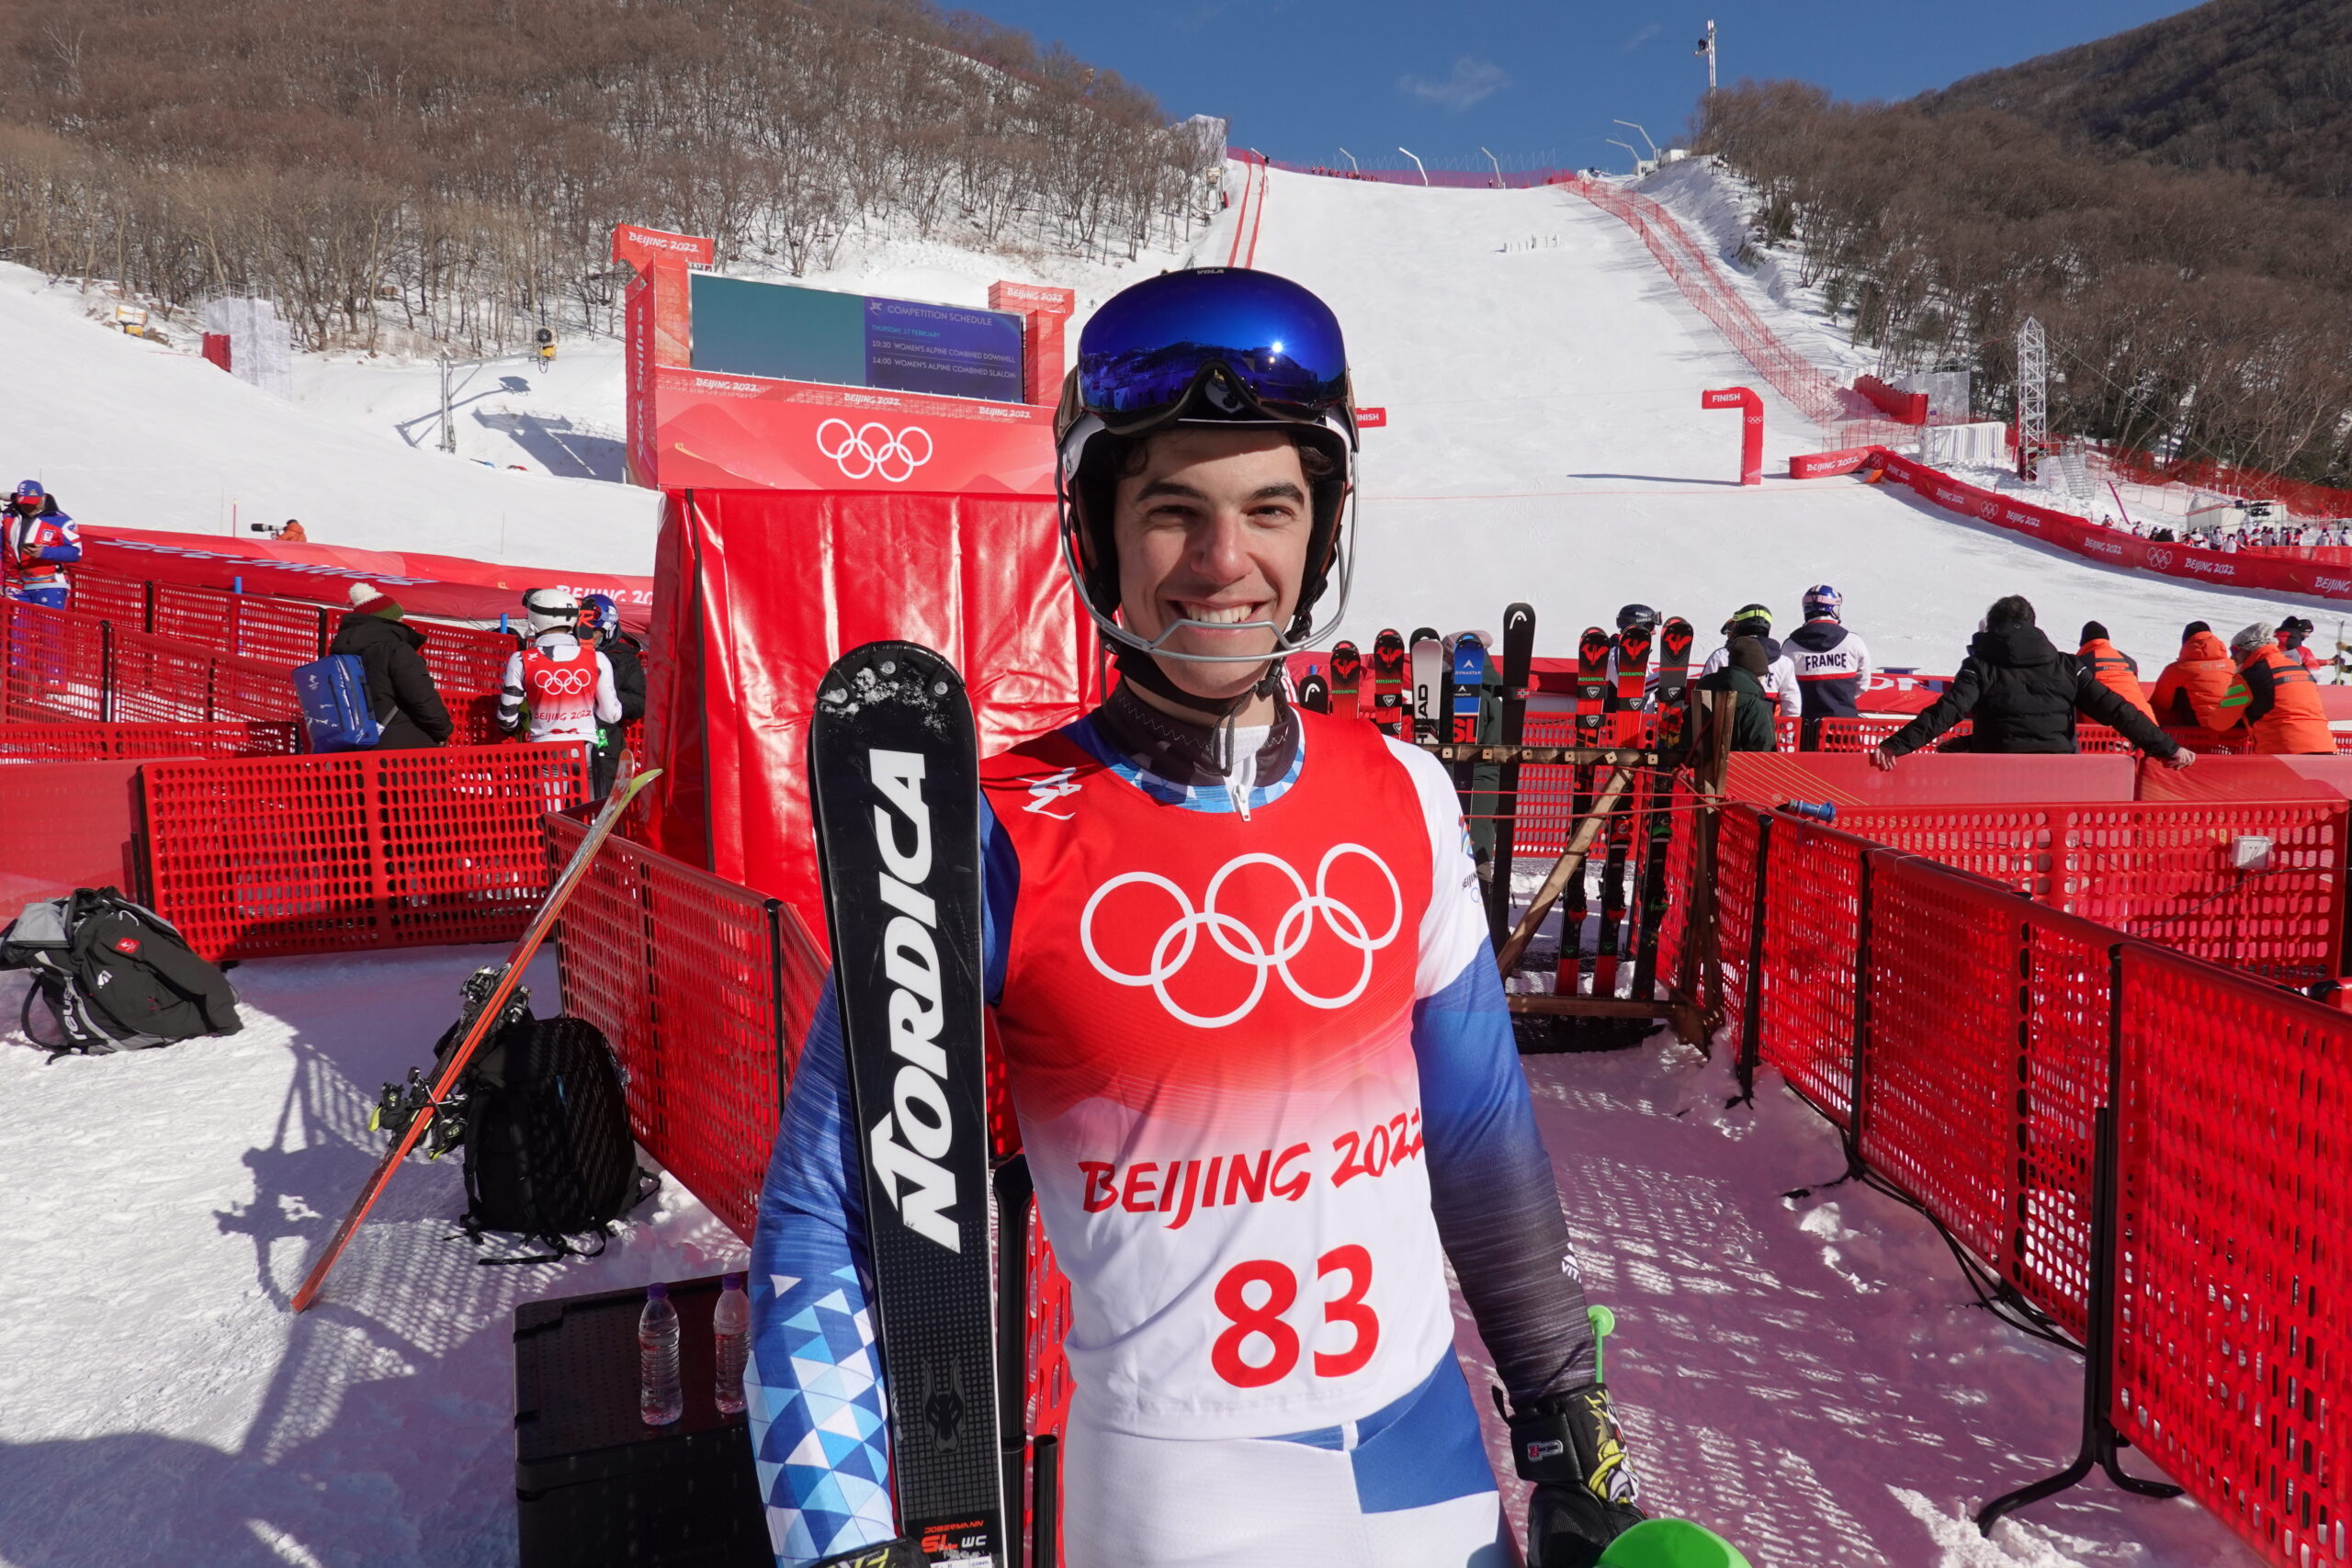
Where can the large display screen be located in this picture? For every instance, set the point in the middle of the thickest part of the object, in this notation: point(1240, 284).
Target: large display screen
point(786, 332)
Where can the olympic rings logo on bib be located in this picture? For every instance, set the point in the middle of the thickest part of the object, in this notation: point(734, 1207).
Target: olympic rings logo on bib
point(1174, 948)
point(874, 448)
point(567, 683)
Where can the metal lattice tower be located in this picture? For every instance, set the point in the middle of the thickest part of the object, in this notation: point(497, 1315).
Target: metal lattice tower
point(2033, 396)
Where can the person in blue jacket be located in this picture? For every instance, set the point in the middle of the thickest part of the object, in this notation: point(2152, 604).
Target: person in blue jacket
point(38, 542)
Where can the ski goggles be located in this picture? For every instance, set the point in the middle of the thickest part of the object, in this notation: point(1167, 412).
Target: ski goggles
point(1150, 351)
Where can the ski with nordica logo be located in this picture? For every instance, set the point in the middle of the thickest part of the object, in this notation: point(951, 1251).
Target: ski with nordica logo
point(894, 780)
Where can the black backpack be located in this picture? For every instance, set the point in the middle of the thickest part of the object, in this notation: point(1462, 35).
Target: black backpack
point(112, 975)
point(548, 1153)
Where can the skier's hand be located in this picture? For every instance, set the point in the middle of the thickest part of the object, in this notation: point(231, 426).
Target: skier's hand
point(1585, 1493)
point(1569, 1528)
point(2181, 757)
point(1881, 758)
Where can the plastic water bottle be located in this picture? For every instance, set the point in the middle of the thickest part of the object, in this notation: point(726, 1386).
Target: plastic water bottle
point(730, 1333)
point(661, 1396)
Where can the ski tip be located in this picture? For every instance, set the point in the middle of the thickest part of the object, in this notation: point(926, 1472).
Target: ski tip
point(896, 673)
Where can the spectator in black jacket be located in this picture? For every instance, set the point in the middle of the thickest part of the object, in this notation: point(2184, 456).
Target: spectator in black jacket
point(600, 629)
point(2022, 695)
point(1747, 666)
point(399, 688)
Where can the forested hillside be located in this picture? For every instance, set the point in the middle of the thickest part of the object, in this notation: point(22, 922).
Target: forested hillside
point(454, 166)
point(2196, 313)
point(2256, 86)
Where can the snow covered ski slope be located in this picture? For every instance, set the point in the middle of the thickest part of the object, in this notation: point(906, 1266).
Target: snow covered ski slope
point(1545, 442)
point(136, 436)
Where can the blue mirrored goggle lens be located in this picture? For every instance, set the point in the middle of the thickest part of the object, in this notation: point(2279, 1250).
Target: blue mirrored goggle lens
point(1144, 349)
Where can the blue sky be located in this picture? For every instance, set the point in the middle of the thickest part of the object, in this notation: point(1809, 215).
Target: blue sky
point(1300, 80)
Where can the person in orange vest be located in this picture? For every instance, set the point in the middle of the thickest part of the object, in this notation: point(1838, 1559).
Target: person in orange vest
point(2291, 633)
point(2274, 697)
point(2190, 690)
point(2112, 668)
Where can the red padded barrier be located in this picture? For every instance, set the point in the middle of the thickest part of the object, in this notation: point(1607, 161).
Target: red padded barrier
point(354, 850)
point(1840, 735)
point(72, 742)
point(2234, 1201)
point(1927, 779)
point(67, 825)
point(1985, 1054)
point(706, 989)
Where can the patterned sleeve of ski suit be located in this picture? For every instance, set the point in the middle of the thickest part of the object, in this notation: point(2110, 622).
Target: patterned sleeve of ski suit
point(1491, 1187)
point(813, 1385)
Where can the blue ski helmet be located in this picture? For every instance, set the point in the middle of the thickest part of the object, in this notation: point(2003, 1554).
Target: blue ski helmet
point(1205, 346)
point(1823, 601)
point(598, 614)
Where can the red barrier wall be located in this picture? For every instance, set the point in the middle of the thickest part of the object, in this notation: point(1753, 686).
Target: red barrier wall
point(761, 589)
point(356, 851)
point(1904, 408)
point(67, 825)
point(2112, 546)
point(453, 587)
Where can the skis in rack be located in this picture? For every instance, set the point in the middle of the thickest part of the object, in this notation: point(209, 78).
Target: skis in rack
point(1519, 652)
point(1593, 720)
point(1347, 677)
point(1673, 734)
point(1632, 680)
point(1388, 682)
point(1314, 691)
point(1428, 672)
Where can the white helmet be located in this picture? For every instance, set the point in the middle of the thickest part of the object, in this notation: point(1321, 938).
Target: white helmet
point(552, 609)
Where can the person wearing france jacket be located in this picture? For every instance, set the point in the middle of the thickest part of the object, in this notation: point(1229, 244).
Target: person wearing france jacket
point(1254, 1038)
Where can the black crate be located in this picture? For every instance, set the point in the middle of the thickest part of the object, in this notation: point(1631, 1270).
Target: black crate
point(594, 1486)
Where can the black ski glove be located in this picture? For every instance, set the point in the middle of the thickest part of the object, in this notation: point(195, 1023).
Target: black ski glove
point(1585, 1493)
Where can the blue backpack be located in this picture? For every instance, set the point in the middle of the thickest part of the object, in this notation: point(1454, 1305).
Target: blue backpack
point(335, 712)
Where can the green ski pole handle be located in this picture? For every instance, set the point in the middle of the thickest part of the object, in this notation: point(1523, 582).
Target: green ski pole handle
point(1658, 1544)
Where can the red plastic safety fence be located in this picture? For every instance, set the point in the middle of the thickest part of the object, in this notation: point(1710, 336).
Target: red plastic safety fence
point(1809, 978)
point(54, 664)
point(2160, 869)
point(465, 661)
point(2234, 1203)
point(356, 851)
point(66, 664)
point(1985, 1055)
point(71, 743)
point(706, 989)
point(1739, 922)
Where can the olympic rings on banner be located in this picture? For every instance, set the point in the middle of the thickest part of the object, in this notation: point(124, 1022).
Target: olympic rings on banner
point(874, 448)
